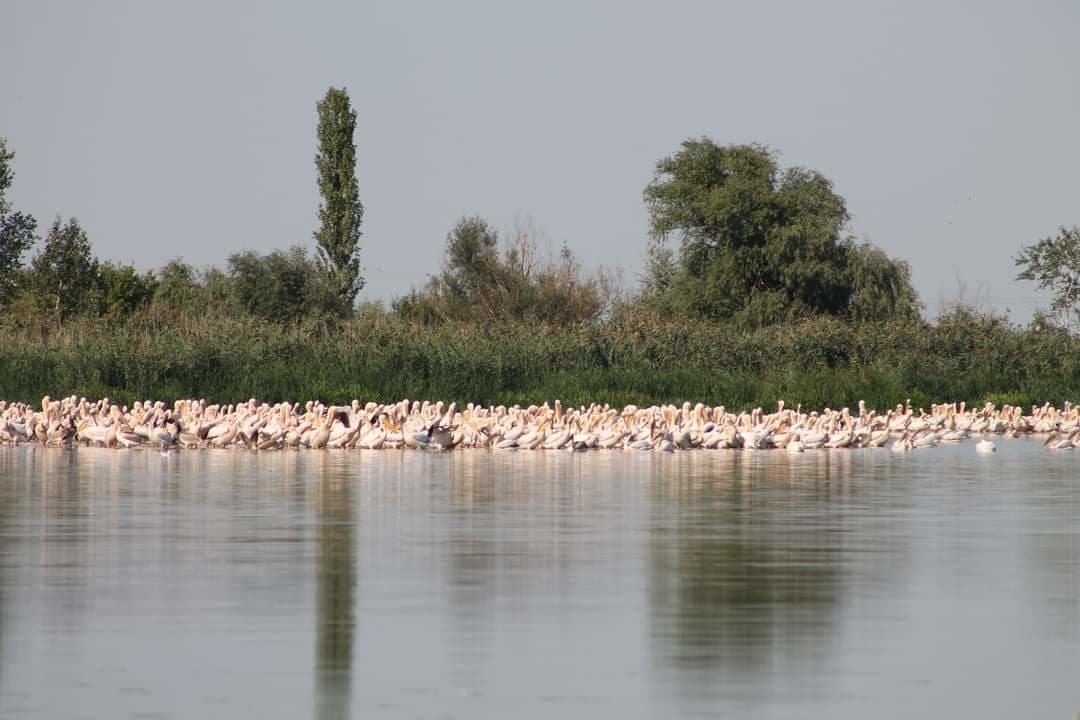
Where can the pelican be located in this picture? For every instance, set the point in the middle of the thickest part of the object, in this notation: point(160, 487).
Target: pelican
point(1058, 441)
point(416, 424)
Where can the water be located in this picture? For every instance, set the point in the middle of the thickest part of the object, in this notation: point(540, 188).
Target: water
point(475, 584)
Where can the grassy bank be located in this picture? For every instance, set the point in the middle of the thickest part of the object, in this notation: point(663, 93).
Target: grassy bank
point(820, 362)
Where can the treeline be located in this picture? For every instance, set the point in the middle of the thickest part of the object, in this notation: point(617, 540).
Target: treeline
point(752, 290)
point(64, 280)
point(734, 238)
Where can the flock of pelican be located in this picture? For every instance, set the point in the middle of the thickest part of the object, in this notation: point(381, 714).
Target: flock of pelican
point(192, 424)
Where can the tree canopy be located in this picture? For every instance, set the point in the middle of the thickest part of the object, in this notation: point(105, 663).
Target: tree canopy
point(17, 230)
point(7, 174)
point(1054, 263)
point(756, 242)
point(122, 290)
point(340, 212)
point(64, 272)
point(282, 286)
point(477, 283)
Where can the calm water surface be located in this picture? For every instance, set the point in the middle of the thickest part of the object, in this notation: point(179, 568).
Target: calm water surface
point(475, 584)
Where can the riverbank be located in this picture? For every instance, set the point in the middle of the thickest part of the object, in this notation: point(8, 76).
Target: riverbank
point(818, 363)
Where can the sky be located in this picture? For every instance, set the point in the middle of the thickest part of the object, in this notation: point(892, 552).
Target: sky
point(188, 129)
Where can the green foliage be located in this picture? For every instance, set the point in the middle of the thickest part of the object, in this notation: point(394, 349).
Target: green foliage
point(1054, 263)
point(65, 274)
point(7, 175)
point(340, 212)
point(478, 285)
point(562, 295)
point(17, 231)
point(821, 361)
point(122, 290)
point(472, 274)
point(178, 287)
point(756, 243)
point(282, 286)
point(658, 278)
point(17, 234)
point(881, 287)
point(182, 291)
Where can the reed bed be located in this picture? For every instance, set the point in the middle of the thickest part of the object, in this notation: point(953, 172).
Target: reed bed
point(819, 363)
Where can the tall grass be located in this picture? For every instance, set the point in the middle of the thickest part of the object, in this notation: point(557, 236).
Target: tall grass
point(818, 363)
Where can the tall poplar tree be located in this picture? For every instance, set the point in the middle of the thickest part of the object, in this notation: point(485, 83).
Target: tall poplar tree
point(340, 212)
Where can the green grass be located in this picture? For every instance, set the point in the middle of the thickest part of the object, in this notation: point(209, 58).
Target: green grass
point(817, 363)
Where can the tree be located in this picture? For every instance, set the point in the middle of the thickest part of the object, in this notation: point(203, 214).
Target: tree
point(65, 275)
point(756, 243)
point(1054, 263)
point(340, 212)
point(881, 286)
point(7, 175)
point(472, 280)
point(283, 286)
point(562, 296)
point(471, 285)
point(17, 234)
point(180, 290)
point(122, 290)
point(177, 287)
point(477, 284)
point(17, 231)
point(658, 276)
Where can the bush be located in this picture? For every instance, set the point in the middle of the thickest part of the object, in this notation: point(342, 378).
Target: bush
point(477, 285)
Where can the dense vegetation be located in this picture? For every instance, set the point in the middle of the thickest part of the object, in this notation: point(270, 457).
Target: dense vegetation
point(477, 284)
point(752, 292)
point(759, 245)
point(822, 361)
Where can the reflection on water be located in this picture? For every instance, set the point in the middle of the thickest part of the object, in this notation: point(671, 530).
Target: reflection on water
point(488, 584)
point(754, 561)
point(510, 543)
point(337, 583)
point(750, 557)
point(1051, 561)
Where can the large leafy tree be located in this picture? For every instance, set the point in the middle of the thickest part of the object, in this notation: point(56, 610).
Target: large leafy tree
point(282, 286)
point(340, 212)
point(17, 230)
point(65, 274)
point(1054, 263)
point(755, 242)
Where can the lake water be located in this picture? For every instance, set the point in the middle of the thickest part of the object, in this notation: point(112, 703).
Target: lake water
point(477, 584)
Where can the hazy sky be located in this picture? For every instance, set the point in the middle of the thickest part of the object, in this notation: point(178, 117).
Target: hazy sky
point(188, 128)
